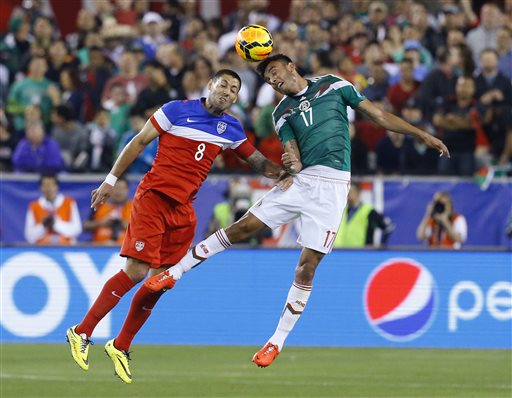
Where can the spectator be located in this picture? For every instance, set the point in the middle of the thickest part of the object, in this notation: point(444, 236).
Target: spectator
point(101, 142)
point(85, 23)
point(7, 146)
point(157, 92)
point(439, 84)
point(128, 76)
point(31, 115)
point(153, 26)
point(197, 77)
point(375, 22)
point(504, 48)
point(124, 12)
point(172, 58)
point(71, 137)
point(58, 59)
point(494, 94)
point(421, 58)
point(143, 163)
point(108, 223)
point(96, 76)
point(37, 153)
point(32, 90)
point(321, 63)
point(485, 35)
point(419, 20)
point(458, 130)
point(43, 34)
point(14, 45)
point(53, 219)
point(72, 94)
point(118, 109)
point(378, 83)
point(441, 226)
point(359, 223)
point(399, 93)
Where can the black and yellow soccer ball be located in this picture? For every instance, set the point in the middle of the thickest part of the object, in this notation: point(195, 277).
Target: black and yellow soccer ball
point(254, 43)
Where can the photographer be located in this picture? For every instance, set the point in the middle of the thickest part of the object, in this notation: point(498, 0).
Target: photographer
point(441, 226)
point(53, 219)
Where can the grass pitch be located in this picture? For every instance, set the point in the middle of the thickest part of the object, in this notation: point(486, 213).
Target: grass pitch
point(47, 370)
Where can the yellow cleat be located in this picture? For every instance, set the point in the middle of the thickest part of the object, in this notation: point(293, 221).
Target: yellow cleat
point(79, 346)
point(120, 359)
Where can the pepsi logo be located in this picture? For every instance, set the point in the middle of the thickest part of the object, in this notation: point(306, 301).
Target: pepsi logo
point(400, 299)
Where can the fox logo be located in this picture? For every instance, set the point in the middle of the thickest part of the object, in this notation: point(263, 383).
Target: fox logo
point(204, 248)
point(301, 303)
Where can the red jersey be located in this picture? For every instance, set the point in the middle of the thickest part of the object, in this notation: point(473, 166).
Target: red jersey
point(190, 139)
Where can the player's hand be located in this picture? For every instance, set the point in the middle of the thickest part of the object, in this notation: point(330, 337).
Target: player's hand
point(284, 181)
point(291, 163)
point(437, 144)
point(101, 194)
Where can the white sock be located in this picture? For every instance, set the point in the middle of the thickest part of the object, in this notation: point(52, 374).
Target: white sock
point(214, 244)
point(295, 303)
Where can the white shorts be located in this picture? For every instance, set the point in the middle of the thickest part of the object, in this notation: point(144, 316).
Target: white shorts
point(317, 197)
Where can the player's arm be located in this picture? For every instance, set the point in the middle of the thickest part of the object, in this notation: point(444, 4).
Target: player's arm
point(291, 157)
point(130, 152)
point(391, 122)
point(269, 169)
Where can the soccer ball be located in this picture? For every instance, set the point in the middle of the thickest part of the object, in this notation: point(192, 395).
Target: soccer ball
point(254, 43)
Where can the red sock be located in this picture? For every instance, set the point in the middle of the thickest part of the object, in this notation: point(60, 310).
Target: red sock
point(143, 302)
point(112, 291)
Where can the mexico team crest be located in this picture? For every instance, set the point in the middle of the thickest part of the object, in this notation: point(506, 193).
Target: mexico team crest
point(139, 245)
point(221, 127)
point(304, 105)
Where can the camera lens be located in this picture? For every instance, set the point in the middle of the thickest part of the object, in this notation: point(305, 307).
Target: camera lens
point(439, 207)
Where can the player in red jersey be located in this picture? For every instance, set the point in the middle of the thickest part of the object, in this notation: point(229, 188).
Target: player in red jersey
point(161, 229)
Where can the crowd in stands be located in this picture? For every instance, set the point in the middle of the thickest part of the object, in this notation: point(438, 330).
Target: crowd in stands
point(70, 103)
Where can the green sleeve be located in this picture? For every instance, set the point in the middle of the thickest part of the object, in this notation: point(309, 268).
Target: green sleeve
point(285, 133)
point(14, 106)
point(351, 96)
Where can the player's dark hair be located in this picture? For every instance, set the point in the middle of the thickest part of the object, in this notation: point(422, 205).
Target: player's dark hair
point(229, 72)
point(278, 57)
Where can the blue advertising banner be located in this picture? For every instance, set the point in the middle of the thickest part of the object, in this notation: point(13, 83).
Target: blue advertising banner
point(487, 212)
point(359, 298)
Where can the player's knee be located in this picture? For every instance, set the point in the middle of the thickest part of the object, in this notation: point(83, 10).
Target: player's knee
point(136, 269)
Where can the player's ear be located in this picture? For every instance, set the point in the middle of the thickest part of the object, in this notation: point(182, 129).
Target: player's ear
point(210, 84)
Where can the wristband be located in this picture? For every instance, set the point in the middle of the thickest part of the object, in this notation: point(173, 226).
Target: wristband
point(111, 179)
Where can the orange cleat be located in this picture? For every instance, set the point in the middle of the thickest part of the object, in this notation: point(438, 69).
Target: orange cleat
point(162, 281)
point(266, 355)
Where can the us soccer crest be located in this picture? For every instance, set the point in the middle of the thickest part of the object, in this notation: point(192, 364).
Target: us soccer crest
point(139, 245)
point(221, 127)
point(304, 106)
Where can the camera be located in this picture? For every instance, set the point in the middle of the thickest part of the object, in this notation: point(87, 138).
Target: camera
point(439, 208)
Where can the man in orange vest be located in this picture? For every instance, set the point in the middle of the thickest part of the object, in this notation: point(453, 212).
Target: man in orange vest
point(441, 226)
point(53, 219)
point(109, 221)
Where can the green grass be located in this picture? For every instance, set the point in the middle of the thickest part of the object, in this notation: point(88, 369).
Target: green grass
point(29, 370)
